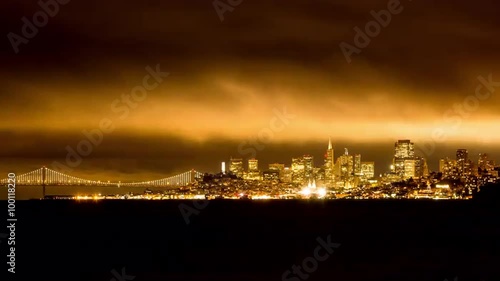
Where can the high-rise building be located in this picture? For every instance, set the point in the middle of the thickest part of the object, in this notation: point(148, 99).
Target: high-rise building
point(308, 161)
point(253, 169)
point(442, 165)
point(278, 167)
point(404, 149)
point(357, 165)
point(236, 166)
point(409, 168)
point(368, 170)
point(464, 165)
point(485, 171)
point(223, 167)
point(345, 167)
point(449, 168)
point(287, 175)
point(462, 154)
point(298, 171)
point(253, 165)
point(329, 164)
point(421, 168)
point(484, 163)
point(404, 159)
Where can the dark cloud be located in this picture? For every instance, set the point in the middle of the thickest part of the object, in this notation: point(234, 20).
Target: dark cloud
point(227, 77)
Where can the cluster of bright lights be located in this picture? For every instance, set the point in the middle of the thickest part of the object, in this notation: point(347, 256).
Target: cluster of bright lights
point(307, 191)
point(259, 197)
point(85, 197)
point(321, 192)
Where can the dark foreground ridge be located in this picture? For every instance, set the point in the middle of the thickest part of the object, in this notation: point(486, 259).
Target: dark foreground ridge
point(253, 240)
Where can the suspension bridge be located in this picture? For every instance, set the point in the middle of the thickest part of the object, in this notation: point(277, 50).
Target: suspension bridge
point(48, 177)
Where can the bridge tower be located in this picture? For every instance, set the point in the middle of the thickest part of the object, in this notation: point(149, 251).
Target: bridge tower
point(44, 176)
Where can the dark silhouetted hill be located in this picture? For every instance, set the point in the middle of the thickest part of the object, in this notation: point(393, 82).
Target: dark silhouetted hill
point(489, 192)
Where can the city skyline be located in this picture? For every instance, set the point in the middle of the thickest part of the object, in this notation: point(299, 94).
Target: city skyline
point(318, 160)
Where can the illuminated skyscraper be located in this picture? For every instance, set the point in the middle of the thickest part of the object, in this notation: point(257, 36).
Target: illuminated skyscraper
point(308, 161)
point(449, 168)
point(442, 165)
point(345, 167)
point(357, 165)
point(404, 159)
point(464, 166)
point(421, 169)
point(223, 167)
point(368, 170)
point(410, 170)
point(462, 154)
point(484, 163)
point(404, 149)
point(329, 164)
point(486, 170)
point(287, 175)
point(253, 169)
point(236, 166)
point(253, 165)
point(278, 167)
point(298, 172)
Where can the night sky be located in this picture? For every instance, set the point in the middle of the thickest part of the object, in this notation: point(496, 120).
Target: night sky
point(228, 78)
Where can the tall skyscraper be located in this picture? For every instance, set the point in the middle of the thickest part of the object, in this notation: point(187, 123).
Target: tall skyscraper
point(278, 167)
point(287, 175)
point(236, 166)
point(298, 171)
point(345, 164)
point(462, 157)
point(253, 165)
point(442, 165)
point(485, 163)
point(308, 161)
point(253, 169)
point(449, 168)
point(329, 164)
point(404, 159)
point(421, 169)
point(404, 149)
point(463, 164)
point(368, 170)
point(357, 165)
